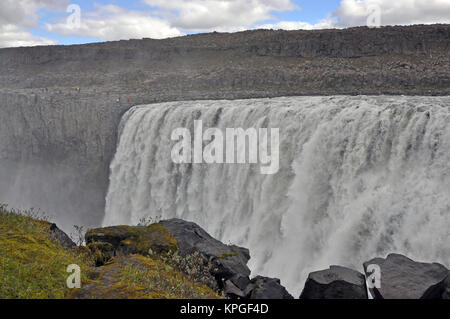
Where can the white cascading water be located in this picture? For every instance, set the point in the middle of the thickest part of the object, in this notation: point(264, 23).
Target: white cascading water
point(359, 177)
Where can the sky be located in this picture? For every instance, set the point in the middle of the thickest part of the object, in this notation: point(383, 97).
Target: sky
point(51, 22)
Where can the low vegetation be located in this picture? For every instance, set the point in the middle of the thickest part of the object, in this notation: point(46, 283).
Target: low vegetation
point(33, 264)
point(156, 279)
point(194, 266)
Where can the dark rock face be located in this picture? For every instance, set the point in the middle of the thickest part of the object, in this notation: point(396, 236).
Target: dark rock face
point(404, 278)
point(61, 237)
point(55, 136)
point(229, 263)
point(335, 283)
point(240, 282)
point(228, 260)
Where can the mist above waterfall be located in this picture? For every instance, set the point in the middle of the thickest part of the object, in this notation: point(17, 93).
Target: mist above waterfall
point(359, 177)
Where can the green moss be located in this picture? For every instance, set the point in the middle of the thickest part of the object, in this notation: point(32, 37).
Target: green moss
point(158, 238)
point(31, 264)
point(228, 254)
point(131, 240)
point(115, 232)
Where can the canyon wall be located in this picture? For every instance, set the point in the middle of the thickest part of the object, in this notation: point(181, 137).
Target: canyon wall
point(60, 105)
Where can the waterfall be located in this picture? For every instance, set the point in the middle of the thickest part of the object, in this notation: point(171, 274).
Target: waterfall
point(359, 177)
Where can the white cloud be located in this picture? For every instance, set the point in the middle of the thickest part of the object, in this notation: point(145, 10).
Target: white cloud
point(14, 36)
point(398, 12)
point(112, 22)
point(238, 15)
point(298, 25)
point(23, 12)
point(218, 15)
point(18, 16)
point(352, 13)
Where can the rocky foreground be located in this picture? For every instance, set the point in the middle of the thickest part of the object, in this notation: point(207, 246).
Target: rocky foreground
point(178, 259)
point(399, 277)
point(226, 267)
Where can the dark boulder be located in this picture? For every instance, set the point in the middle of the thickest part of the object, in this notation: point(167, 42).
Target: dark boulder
point(404, 278)
point(232, 291)
point(335, 283)
point(228, 260)
point(266, 288)
point(61, 237)
point(257, 288)
point(446, 293)
point(235, 286)
point(240, 282)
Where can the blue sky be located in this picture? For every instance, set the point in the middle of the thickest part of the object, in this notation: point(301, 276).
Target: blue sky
point(41, 22)
point(309, 11)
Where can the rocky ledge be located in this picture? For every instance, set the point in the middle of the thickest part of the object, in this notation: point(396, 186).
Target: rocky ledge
point(393, 277)
point(226, 264)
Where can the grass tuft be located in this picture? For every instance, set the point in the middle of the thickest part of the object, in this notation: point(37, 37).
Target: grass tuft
point(31, 264)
